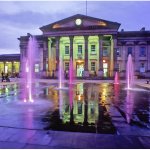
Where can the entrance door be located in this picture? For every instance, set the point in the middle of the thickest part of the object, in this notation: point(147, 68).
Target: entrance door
point(6, 69)
point(79, 69)
point(105, 69)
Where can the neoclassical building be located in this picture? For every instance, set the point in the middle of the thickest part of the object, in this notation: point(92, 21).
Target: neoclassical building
point(95, 46)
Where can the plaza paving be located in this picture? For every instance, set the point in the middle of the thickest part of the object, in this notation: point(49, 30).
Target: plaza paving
point(21, 127)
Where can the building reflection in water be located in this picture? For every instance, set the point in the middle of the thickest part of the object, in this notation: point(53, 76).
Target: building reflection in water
point(129, 105)
point(81, 104)
point(81, 107)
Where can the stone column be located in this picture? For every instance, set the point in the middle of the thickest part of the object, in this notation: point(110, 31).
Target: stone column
point(124, 59)
point(45, 55)
point(4, 67)
point(86, 71)
point(71, 46)
point(57, 54)
point(49, 57)
point(12, 67)
point(113, 59)
point(115, 53)
point(100, 70)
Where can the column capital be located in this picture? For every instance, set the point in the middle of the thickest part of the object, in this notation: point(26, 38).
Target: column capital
point(71, 37)
point(100, 36)
point(57, 38)
point(86, 37)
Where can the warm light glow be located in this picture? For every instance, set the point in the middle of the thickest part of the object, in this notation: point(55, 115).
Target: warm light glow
point(101, 23)
point(56, 26)
point(104, 61)
point(79, 61)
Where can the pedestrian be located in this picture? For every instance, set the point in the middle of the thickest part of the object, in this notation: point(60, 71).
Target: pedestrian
point(2, 76)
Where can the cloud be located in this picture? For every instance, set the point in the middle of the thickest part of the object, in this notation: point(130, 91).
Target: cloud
point(42, 7)
point(21, 17)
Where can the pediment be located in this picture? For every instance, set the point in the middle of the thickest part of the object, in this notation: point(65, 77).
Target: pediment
point(80, 22)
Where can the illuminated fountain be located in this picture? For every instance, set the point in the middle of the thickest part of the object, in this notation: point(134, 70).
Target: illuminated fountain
point(60, 74)
point(116, 78)
point(71, 71)
point(129, 73)
point(29, 69)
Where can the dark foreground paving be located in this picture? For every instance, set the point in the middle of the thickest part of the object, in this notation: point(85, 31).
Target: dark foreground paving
point(29, 139)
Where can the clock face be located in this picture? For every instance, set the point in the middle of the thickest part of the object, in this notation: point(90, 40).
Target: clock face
point(78, 22)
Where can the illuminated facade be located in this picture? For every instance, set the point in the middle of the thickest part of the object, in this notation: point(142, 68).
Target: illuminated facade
point(95, 45)
point(10, 63)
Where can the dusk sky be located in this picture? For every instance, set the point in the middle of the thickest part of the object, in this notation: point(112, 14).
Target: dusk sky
point(19, 18)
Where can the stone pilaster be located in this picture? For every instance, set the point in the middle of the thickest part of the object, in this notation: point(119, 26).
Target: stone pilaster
point(136, 57)
point(12, 67)
point(100, 70)
point(57, 52)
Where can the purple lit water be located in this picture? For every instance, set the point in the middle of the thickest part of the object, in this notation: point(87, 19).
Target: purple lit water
point(130, 72)
point(129, 105)
point(116, 78)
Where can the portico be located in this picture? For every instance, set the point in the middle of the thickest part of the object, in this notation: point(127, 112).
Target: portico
point(88, 41)
point(90, 54)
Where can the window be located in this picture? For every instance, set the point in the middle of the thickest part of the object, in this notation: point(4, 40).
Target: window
point(66, 65)
point(142, 51)
point(118, 52)
point(36, 68)
point(92, 66)
point(129, 50)
point(105, 52)
point(142, 68)
point(79, 107)
point(66, 50)
point(79, 49)
point(93, 49)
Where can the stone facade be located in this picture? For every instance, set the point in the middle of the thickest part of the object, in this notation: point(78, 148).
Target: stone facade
point(95, 45)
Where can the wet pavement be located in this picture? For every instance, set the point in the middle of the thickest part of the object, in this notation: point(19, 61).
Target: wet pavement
point(22, 125)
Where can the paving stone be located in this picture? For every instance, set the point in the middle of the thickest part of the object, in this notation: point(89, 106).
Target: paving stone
point(84, 140)
point(7, 133)
point(145, 141)
point(36, 146)
point(11, 145)
point(105, 142)
point(62, 139)
point(41, 138)
point(126, 142)
point(22, 136)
